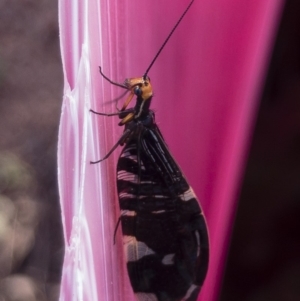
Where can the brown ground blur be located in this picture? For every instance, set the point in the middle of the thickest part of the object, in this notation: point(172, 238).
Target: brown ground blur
point(31, 245)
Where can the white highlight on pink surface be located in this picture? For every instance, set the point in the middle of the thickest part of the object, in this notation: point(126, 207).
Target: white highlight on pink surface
point(206, 82)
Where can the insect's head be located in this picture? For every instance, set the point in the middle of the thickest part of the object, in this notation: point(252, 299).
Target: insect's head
point(140, 86)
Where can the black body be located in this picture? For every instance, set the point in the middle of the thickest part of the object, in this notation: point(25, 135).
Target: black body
point(164, 231)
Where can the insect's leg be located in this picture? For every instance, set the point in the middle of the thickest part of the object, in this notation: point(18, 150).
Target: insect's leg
point(116, 100)
point(121, 139)
point(110, 81)
point(112, 114)
point(116, 228)
point(127, 101)
point(127, 118)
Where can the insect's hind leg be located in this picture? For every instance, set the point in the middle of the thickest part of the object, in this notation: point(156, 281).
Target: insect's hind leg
point(112, 114)
point(120, 141)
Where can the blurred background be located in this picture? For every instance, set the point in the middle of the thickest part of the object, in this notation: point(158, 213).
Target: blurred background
point(31, 241)
point(264, 258)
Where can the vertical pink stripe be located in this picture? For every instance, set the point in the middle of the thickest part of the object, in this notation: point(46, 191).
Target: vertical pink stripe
point(206, 82)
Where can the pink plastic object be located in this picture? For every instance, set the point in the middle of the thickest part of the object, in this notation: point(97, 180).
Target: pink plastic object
point(207, 81)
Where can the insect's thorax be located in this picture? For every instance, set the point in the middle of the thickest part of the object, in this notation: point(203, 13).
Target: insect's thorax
point(142, 123)
point(142, 108)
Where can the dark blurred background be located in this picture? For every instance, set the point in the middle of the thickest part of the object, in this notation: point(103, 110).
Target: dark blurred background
point(31, 242)
point(264, 258)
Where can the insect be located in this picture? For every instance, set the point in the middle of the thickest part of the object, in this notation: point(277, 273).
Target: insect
point(165, 235)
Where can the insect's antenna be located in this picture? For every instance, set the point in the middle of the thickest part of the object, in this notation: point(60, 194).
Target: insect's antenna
point(167, 39)
point(110, 81)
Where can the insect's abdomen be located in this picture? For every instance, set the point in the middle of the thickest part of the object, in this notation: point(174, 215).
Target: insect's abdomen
point(164, 231)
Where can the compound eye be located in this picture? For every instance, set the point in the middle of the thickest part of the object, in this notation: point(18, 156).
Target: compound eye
point(137, 91)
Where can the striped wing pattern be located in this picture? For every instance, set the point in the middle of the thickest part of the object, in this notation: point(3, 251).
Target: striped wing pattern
point(164, 231)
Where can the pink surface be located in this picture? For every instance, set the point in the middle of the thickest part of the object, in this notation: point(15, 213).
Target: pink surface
point(206, 83)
